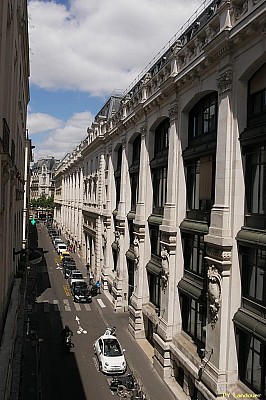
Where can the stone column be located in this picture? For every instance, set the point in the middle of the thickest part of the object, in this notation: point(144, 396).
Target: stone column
point(120, 283)
point(219, 245)
point(168, 307)
point(141, 293)
point(108, 261)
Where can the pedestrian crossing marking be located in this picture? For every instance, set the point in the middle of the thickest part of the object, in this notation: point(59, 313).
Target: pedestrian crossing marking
point(77, 307)
point(87, 307)
point(101, 303)
point(54, 305)
point(66, 304)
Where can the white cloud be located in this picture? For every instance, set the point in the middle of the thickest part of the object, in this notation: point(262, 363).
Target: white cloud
point(57, 137)
point(39, 122)
point(98, 46)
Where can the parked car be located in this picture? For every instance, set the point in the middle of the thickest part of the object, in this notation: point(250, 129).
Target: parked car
point(57, 240)
point(110, 355)
point(75, 276)
point(81, 292)
point(60, 247)
point(67, 268)
point(64, 254)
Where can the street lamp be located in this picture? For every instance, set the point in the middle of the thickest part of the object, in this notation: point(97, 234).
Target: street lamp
point(34, 256)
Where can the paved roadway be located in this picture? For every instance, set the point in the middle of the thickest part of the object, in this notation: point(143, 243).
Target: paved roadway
point(49, 373)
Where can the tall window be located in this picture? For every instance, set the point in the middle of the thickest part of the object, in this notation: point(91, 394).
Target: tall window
point(134, 172)
point(252, 362)
point(256, 180)
point(203, 117)
point(159, 166)
point(118, 175)
point(155, 237)
point(254, 275)
point(201, 183)
point(194, 319)
point(154, 289)
point(257, 98)
point(194, 253)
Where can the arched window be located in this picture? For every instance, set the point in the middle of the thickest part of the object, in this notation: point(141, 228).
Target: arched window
point(257, 98)
point(134, 172)
point(253, 141)
point(199, 156)
point(159, 166)
point(117, 175)
point(203, 117)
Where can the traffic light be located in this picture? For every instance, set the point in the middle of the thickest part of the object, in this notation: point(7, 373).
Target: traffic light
point(32, 221)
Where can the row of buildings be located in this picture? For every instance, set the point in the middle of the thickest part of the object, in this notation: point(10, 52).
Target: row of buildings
point(15, 158)
point(166, 200)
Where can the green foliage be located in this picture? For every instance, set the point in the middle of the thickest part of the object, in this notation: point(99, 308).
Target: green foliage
point(42, 202)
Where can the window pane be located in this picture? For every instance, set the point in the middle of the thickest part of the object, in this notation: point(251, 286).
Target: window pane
point(256, 371)
point(252, 280)
point(249, 366)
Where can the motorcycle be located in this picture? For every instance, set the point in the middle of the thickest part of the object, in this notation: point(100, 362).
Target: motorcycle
point(68, 345)
point(110, 330)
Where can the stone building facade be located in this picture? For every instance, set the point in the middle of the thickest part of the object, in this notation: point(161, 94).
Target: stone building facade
point(15, 158)
point(166, 201)
point(42, 178)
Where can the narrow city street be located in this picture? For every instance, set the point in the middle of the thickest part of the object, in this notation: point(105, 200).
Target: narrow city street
point(48, 372)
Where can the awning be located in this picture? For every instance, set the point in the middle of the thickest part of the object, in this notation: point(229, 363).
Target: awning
point(250, 324)
point(130, 255)
point(198, 227)
point(253, 135)
point(251, 237)
point(189, 289)
point(199, 150)
point(114, 246)
point(154, 268)
point(155, 219)
point(131, 215)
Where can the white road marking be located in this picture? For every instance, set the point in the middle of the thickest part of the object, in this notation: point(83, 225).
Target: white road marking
point(46, 306)
point(77, 307)
point(87, 307)
point(101, 304)
point(66, 304)
point(56, 305)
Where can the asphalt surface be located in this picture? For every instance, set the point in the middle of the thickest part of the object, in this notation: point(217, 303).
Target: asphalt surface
point(48, 372)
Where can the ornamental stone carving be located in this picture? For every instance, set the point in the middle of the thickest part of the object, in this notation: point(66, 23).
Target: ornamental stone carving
point(214, 293)
point(224, 83)
point(165, 266)
point(136, 250)
point(104, 236)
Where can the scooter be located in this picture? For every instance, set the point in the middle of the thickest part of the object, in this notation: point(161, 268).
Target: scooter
point(110, 330)
point(68, 345)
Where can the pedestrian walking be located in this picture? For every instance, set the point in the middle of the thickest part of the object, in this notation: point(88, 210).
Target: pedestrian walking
point(98, 286)
point(91, 278)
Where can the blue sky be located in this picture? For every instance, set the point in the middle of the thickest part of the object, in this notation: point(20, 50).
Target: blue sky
point(83, 50)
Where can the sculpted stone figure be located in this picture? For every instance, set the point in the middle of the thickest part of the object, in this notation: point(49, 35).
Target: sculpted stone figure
point(136, 250)
point(165, 265)
point(214, 293)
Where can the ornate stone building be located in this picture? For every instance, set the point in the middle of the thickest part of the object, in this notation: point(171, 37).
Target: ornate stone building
point(166, 200)
point(15, 158)
point(42, 178)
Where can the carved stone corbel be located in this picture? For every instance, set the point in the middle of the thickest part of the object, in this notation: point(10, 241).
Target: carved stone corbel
point(214, 293)
point(136, 250)
point(165, 266)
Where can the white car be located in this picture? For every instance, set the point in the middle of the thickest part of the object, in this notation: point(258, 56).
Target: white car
point(110, 355)
point(61, 247)
point(75, 276)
